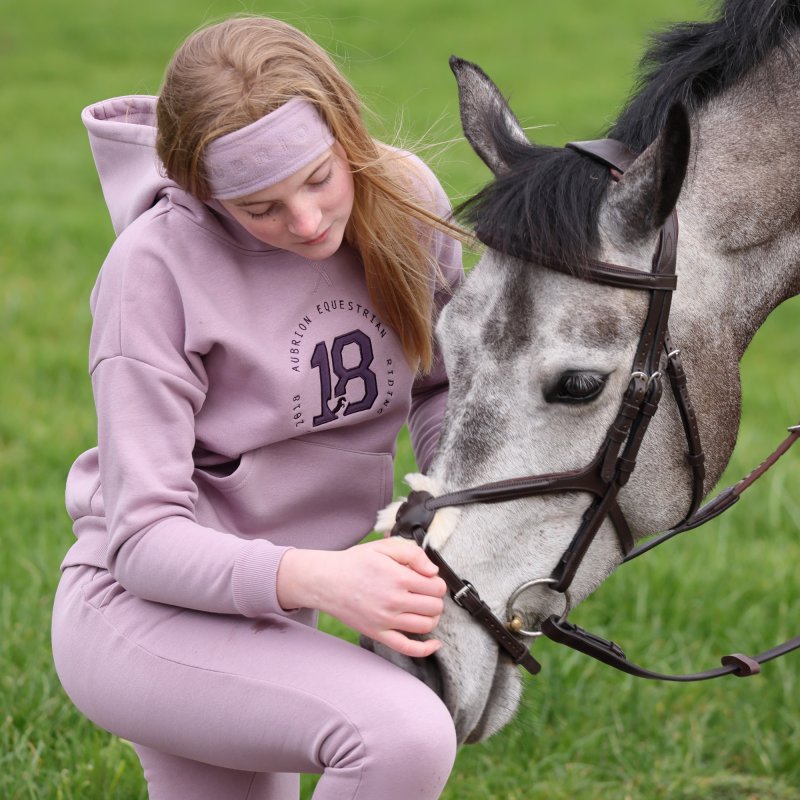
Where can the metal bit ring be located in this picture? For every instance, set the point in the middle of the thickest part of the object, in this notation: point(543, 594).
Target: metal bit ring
point(514, 620)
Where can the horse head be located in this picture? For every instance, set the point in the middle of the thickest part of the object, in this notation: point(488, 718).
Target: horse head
point(540, 355)
point(538, 361)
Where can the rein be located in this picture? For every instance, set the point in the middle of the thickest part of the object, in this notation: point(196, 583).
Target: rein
point(606, 474)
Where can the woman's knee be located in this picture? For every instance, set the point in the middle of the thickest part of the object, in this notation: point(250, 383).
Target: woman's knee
point(404, 747)
point(425, 735)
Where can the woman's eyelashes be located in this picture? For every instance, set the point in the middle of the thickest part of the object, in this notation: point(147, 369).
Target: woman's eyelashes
point(324, 180)
point(261, 214)
point(315, 183)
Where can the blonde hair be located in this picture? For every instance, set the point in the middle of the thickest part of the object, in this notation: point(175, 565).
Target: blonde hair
point(229, 75)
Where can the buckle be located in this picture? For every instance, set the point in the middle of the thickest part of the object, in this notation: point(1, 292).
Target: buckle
point(466, 589)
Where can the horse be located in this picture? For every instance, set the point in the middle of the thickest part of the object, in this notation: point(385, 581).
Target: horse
point(539, 353)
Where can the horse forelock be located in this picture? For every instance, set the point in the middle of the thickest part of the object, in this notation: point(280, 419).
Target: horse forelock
point(544, 207)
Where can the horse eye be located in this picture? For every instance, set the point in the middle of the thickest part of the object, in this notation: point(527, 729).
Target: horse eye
point(576, 387)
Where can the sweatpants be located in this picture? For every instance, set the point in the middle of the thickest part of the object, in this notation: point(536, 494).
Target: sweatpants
point(224, 707)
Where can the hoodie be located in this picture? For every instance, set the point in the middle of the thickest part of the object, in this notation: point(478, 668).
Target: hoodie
point(248, 399)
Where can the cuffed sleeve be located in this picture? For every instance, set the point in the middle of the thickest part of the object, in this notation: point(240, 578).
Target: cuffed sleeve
point(254, 580)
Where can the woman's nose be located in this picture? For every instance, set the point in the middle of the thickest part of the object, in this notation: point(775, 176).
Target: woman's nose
point(304, 220)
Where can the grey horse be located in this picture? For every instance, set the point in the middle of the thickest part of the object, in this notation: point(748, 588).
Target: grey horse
point(539, 359)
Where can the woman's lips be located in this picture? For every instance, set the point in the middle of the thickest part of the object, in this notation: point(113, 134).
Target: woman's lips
point(319, 239)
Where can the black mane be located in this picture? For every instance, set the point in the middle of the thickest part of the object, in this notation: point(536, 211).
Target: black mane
point(693, 62)
point(545, 207)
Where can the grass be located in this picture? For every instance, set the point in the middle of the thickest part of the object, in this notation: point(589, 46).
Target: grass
point(583, 731)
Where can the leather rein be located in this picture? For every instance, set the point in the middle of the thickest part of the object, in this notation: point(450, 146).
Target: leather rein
point(607, 472)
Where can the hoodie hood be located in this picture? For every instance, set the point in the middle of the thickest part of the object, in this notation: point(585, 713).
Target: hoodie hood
point(122, 135)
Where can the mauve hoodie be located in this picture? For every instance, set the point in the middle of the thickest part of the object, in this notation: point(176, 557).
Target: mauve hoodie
point(248, 399)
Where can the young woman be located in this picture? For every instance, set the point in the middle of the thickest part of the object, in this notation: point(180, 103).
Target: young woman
point(262, 330)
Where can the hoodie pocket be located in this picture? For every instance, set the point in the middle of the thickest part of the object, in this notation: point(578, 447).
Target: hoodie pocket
point(298, 492)
point(83, 496)
point(101, 589)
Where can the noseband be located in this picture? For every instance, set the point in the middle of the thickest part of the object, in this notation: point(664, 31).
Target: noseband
point(606, 473)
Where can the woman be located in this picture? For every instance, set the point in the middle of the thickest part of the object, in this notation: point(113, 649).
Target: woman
point(262, 330)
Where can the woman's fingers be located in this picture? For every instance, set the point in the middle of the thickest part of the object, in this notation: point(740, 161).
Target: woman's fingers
point(433, 587)
point(415, 623)
point(386, 590)
point(411, 555)
point(414, 648)
point(423, 574)
point(421, 605)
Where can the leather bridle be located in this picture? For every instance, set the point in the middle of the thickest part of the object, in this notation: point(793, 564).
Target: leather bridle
point(607, 472)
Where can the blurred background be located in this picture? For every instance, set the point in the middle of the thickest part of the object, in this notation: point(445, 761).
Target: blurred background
point(583, 731)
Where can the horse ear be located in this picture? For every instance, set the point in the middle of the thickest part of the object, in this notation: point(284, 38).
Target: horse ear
point(647, 193)
point(489, 124)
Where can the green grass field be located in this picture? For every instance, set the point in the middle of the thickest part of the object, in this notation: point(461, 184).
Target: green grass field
point(583, 731)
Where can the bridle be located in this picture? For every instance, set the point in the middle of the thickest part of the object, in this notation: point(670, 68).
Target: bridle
point(606, 473)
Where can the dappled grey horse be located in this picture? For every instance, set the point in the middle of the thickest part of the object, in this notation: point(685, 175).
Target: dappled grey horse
point(540, 359)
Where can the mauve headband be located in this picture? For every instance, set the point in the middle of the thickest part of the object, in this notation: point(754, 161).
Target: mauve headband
point(266, 151)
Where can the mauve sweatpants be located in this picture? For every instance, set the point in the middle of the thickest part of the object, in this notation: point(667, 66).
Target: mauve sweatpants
point(228, 708)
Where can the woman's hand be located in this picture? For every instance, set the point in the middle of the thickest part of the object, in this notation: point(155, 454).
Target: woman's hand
point(384, 589)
